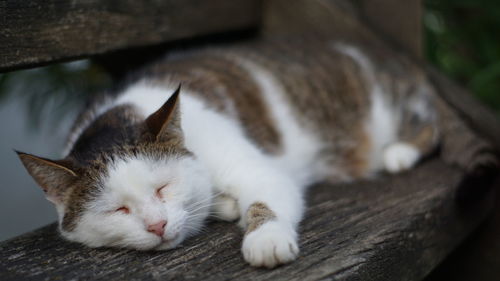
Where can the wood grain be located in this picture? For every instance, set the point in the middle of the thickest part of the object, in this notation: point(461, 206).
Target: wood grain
point(399, 21)
point(478, 117)
point(393, 228)
point(43, 31)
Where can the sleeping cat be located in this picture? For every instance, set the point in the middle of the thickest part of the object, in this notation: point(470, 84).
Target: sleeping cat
point(252, 126)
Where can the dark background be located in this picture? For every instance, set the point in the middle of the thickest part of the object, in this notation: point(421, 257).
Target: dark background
point(462, 38)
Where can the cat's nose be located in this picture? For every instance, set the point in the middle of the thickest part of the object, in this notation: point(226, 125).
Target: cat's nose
point(158, 228)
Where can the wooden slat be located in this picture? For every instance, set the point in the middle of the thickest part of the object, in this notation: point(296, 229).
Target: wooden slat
point(395, 228)
point(479, 118)
point(43, 31)
point(400, 21)
point(478, 257)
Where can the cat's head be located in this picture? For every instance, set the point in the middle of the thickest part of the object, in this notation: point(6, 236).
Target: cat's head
point(149, 195)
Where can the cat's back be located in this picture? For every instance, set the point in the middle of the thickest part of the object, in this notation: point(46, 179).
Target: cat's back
point(305, 101)
point(355, 100)
point(302, 102)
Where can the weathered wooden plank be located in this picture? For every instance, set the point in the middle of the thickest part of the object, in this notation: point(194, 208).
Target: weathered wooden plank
point(478, 257)
point(42, 31)
point(479, 118)
point(394, 228)
point(400, 21)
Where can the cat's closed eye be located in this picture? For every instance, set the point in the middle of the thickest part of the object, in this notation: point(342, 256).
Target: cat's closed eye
point(159, 190)
point(123, 209)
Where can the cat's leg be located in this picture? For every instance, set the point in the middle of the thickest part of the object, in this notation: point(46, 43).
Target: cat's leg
point(270, 222)
point(400, 156)
point(414, 144)
point(271, 206)
point(269, 200)
point(417, 133)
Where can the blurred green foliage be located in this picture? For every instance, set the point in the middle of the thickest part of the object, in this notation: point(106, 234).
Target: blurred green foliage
point(463, 40)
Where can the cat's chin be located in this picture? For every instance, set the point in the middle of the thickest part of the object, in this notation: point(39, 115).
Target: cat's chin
point(161, 245)
point(169, 244)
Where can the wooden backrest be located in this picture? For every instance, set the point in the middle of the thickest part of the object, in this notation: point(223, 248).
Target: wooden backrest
point(39, 32)
point(400, 22)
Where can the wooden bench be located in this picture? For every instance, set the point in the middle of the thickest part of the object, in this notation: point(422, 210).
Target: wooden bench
point(392, 228)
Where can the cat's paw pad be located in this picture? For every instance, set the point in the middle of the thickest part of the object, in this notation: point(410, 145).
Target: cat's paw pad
point(400, 156)
point(270, 245)
point(226, 208)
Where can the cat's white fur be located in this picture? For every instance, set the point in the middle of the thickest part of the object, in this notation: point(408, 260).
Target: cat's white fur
point(227, 162)
point(300, 145)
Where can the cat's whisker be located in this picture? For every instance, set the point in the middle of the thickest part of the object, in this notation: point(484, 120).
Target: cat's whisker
point(203, 207)
point(207, 200)
point(214, 195)
point(192, 229)
point(195, 204)
point(211, 213)
point(197, 215)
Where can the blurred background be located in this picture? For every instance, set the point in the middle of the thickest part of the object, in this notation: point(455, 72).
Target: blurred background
point(37, 106)
point(462, 38)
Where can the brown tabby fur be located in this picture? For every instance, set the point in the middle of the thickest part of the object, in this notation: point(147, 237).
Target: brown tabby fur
point(258, 213)
point(326, 88)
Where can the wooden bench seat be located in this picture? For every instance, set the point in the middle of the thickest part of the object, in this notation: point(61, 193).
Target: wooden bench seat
point(395, 228)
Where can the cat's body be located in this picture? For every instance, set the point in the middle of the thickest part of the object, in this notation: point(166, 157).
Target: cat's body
point(252, 127)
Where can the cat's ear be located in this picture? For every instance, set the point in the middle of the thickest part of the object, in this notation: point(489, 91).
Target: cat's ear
point(165, 122)
point(53, 177)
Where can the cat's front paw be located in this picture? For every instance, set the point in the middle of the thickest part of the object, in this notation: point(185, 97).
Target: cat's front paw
point(400, 156)
point(272, 244)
